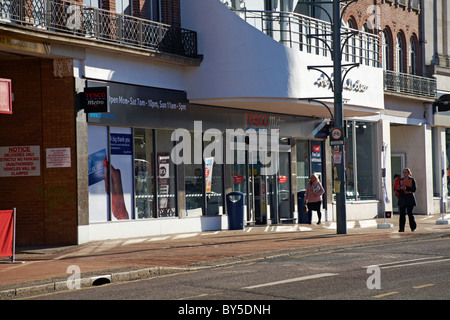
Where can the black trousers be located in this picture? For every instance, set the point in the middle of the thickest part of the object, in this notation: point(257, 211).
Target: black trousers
point(412, 223)
point(314, 206)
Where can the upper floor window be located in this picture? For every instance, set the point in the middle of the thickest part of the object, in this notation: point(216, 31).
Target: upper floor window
point(92, 3)
point(412, 56)
point(153, 10)
point(386, 50)
point(400, 54)
point(124, 7)
point(415, 4)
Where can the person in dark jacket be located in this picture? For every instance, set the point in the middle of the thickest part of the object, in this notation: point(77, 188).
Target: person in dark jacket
point(406, 200)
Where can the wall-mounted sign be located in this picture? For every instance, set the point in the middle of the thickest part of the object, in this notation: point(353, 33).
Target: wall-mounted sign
point(336, 136)
point(5, 96)
point(25, 45)
point(58, 158)
point(96, 99)
point(349, 84)
point(20, 161)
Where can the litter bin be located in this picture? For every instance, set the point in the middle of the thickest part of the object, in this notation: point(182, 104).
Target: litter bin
point(302, 216)
point(235, 210)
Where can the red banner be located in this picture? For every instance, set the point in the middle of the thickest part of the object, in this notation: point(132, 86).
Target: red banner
point(6, 233)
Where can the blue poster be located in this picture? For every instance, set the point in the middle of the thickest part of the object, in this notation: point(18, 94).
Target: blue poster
point(97, 161)
point(121, 144)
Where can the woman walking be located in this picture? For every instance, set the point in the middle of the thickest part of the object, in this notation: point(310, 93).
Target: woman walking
point(313, 197)
point(406, 200)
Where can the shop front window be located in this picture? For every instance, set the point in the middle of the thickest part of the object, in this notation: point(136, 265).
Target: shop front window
point(98, 159)
point(154, 197)
point(366, 160)
point(213, 183)
point(447, 159)
point(302, 164)
point(166, 181)
point(110, 165)
point(360, 161)
point(193, 182)
point(284, 180)
point(349, 164)
point(144, 175)
point(121, 171)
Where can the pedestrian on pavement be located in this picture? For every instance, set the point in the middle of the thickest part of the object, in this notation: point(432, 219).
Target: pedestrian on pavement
point(313, 197)
point(406, 200)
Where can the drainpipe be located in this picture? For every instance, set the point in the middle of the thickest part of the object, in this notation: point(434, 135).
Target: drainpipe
point(435, 60)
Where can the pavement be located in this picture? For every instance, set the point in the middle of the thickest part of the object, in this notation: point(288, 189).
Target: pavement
point(40, 270)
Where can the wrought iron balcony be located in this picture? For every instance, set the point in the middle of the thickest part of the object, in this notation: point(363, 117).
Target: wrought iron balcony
point(65, 17)
point(308, 34)
point(409, 84)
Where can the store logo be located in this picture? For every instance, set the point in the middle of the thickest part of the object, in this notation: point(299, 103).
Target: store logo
point(261, 144)
point(349, 84)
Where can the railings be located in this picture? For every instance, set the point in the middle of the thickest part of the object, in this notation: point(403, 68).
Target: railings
point(409, 84)
point(296, 31)
point(65, 17)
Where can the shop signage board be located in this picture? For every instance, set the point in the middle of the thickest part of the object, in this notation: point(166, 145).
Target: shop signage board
point(25, 45)
point(20, 161)
point(96, 99)
point(141, 106)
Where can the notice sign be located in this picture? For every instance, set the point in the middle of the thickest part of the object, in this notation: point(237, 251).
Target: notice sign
point(5, 96)
point(20, 161)
point(58, 157)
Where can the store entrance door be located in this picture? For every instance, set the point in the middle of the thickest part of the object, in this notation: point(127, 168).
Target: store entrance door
point(257, 194)
point(268, 197)
point(284, 188)
point(398, 162)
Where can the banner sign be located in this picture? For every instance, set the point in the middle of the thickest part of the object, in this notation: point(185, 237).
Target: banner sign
point(209, 162)
point(6, 233)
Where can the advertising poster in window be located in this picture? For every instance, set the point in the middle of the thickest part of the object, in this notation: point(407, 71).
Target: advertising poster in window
point(163, 183)
point(209, 162)
point(121, 173)
point(97, 169)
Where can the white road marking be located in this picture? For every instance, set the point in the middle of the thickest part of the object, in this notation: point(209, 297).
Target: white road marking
point(314, 276)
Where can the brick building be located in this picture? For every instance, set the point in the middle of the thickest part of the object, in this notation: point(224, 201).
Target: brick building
point(398, 24)
point(37, 53)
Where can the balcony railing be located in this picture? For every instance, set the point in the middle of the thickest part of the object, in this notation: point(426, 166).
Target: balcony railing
point(296, 31)
point(65, 17)
point(409, 84)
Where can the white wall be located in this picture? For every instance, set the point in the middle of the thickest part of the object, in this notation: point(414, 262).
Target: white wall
point(149, 227)
point(242, 62)
point(137, 70)
point(415, 142)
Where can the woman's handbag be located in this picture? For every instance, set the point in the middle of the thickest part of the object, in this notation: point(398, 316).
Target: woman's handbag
point(305, 208)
